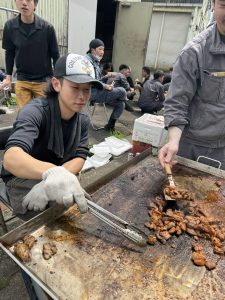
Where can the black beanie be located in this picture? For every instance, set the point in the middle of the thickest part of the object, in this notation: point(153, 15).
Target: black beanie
point(95, 44)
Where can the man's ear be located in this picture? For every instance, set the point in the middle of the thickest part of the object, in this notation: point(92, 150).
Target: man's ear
point(56, 84)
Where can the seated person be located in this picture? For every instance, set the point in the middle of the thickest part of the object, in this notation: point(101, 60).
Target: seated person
point(146, 72)
point(106, 68)
point(152, 95)
point(114, 96)
point(49, 142)
point(120, 80)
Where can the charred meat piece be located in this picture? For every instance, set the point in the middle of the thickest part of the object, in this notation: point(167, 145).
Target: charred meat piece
point(22, 251)
point(29, 240)
point(49, 249)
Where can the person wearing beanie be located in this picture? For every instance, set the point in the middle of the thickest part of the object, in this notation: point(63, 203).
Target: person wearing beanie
point(31, 42)
point(49, 143)
point(114, 96)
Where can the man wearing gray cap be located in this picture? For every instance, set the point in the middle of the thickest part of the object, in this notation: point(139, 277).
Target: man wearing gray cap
point(49, 143)
point(115, 97)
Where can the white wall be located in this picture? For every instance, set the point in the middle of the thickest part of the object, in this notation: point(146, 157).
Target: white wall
point(81, 24)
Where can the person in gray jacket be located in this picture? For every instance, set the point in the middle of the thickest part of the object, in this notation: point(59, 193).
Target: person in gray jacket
point(152, 94)
point(195, 105)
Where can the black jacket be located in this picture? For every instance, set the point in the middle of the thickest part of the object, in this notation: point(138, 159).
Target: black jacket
point(33, 52)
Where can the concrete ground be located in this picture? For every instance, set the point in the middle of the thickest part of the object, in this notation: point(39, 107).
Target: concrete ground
point(11, 283)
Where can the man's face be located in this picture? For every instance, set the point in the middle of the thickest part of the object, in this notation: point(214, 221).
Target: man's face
point(25, 7)
point(219, 13)
point(126, 72)
point(72, 96)
point(144, 74)
point(99, 51)
point(161, 78)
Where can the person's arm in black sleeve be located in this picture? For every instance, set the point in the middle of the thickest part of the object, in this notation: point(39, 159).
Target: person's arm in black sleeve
point(17, 159)
point(53, 44)
point(161, 94)
point(82, 149)
point(9, 61)
point(9, 47)
point(75, 165)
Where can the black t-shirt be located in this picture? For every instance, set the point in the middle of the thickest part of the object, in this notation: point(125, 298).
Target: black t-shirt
point(31, 133)
point(27, 27)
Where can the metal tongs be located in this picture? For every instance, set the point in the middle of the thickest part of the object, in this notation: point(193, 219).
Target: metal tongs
point(126, 229)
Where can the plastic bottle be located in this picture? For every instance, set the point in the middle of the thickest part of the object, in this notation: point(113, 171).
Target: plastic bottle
point(129, 156)
point(7, 93)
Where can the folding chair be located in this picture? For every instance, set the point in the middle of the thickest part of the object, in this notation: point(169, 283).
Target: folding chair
point(91, 112)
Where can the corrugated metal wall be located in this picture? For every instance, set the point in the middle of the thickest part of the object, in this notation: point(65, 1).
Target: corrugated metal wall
point(54, 11)
point(166, 38)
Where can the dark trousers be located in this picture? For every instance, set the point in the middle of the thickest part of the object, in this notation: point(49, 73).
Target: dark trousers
point(115, 98)
point(191, 151)
point(17, 189)
point(153, 107)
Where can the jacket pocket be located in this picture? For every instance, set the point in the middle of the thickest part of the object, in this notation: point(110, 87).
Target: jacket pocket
point(211, 88)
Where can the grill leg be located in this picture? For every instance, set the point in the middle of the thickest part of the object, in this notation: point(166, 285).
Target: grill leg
point(2, 222)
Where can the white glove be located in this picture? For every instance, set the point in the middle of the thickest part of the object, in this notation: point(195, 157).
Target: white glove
point(36, 199)
point(64, 187)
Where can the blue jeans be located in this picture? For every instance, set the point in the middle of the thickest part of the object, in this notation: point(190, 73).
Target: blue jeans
point(115, 98)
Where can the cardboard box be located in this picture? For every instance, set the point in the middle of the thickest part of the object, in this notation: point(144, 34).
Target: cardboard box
point(149, 129)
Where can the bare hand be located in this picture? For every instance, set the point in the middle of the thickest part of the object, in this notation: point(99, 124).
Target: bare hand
point(167, 153)
point(7, 82)
point(109, 87)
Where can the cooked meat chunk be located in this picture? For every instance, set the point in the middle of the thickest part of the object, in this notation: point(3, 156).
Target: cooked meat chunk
point(216, 242)
point(210, 265)
point(218, 183)
point(175, 193)
point(218, 250)
point(152, 239)
point(165, 235)
point(198, 258)
point(29, 240)
point(197, 223)
point(22, 251)
point(197, 247)
point(49, 249)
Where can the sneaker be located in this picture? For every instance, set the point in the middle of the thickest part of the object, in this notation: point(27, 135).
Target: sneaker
point(128, 107)
point(109, 128)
